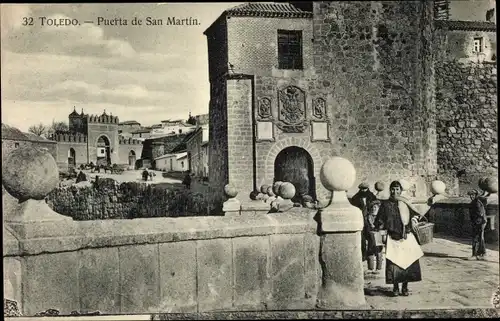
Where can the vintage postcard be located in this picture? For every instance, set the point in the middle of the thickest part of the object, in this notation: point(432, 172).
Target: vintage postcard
point(250, 160)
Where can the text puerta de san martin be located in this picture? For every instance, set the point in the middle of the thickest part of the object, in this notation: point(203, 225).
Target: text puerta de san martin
point(111, 21)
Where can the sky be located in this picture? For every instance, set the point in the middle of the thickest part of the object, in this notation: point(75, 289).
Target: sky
point(143, 73)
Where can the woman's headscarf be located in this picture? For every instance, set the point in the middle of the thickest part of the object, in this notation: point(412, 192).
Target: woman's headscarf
point(395, 184)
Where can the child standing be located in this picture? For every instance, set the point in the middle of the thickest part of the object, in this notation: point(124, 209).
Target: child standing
point(375, 246)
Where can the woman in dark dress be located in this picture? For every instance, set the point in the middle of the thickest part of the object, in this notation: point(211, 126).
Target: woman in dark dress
point(478, 219)
point(397, 216)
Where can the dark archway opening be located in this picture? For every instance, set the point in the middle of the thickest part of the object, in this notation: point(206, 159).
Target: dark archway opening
point(295, 165)
point(103, 151)
point(131, 158)
point(71, 158)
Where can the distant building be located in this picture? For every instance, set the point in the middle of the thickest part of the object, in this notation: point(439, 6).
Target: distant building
point(175, 162)
point(127, 127)
point(197, 150)
point(13, 138)
point(95, 138)
point(141, 133)
point(172, 127)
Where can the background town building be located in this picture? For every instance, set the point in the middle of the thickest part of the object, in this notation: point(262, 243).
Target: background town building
point(95, 138)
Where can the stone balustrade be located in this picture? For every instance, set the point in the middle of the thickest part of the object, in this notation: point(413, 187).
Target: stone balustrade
point(249, 259)
point(187, 264)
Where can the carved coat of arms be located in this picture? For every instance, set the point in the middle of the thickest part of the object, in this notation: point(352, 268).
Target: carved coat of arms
point(292, 109)
point(319, 108)
point(264, 110)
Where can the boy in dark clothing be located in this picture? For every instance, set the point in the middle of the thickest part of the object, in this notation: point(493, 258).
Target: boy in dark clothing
point(361, 200)
point(477, 212)
point(374, 249)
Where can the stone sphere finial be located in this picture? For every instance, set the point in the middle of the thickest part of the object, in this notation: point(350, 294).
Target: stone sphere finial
point(379, 186)
point(276, 187)
point(287, 190)
point(337, 174)
point(263, 188)
point(438, 187)
point(230, 191)
point(29, 173)
point(491, 185)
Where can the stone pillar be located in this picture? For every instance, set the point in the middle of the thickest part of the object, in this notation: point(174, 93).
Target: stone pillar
point(340, 226)
point(28, 176)
point(232, 206)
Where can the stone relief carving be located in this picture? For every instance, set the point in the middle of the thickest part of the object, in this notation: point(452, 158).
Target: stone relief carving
point(292, 110)
point(264, 110)
point(319, 108)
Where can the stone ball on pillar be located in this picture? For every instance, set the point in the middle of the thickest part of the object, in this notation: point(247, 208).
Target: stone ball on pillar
point(230, 191)
point(29, 173)
point(287, 190)
point(253, 195)
point(337, 174)
point(491, 185)
point(276, 187)
point(263, 188)
point(438, 187)
point(379, 186)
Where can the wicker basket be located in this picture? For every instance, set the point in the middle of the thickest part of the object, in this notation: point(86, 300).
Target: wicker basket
point(424, 232)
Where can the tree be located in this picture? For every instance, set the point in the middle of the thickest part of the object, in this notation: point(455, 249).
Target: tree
point(58, 126)
point(38, 130)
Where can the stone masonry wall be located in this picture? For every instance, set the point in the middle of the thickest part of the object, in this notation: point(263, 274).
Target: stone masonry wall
point(240, 134)
point(110, 200)
point(367, 57)
point(467, 123)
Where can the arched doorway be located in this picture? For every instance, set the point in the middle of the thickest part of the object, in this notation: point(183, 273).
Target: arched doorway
point(131, 158)
point(295, 165)
point(71, 158)
point(103, 151)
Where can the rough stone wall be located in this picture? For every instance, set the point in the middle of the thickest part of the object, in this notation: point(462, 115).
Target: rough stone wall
point(110, 200)
point(367, 57)
point(467, 120)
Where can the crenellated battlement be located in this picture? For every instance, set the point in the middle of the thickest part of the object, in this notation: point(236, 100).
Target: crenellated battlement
point(69, 137)
point(129, 141)
point(104, 119)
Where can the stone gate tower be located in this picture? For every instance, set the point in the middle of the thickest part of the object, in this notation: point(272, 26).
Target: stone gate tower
point(291, 86)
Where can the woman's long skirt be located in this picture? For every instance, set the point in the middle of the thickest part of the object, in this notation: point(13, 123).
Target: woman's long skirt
point(395, 274)
point(478, 243)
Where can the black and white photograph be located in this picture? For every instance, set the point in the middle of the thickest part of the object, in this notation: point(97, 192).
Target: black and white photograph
point(250, 160)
